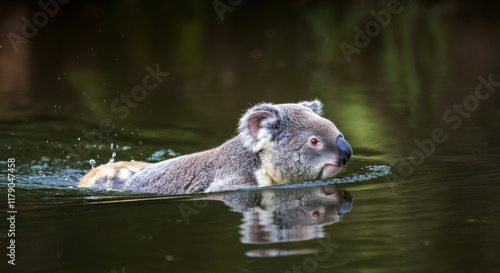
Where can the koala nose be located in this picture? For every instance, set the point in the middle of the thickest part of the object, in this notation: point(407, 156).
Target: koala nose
point(345, 151)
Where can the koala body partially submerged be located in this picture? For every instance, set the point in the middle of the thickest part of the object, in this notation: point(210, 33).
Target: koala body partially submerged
point(277, 144)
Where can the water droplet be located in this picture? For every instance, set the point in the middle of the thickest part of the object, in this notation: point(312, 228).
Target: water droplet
point(112, 145)
point(92, 163)
point(112, 159)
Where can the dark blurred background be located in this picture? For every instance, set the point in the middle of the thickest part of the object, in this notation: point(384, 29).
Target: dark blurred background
point(90, 52)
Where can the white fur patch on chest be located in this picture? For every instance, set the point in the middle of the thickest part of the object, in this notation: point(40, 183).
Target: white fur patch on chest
point(268, 174)
point(263, 178)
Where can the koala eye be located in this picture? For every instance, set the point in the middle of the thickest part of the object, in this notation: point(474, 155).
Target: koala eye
point(313, 141)
point(315, 214)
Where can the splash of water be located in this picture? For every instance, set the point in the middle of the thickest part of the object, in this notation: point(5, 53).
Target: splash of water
point(92, 163)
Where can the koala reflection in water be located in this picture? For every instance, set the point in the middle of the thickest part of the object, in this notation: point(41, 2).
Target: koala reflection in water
point(287, 215)
point(276, 144)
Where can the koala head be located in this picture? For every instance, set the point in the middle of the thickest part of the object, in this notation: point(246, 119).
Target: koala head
point(294, 142)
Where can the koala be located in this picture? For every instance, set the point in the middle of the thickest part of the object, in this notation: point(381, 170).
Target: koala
point(276, 144)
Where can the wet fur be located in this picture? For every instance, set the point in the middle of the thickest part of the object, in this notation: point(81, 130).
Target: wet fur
point(269, 150)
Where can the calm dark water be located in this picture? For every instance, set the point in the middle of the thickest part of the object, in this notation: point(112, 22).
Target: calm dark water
point(417, 100)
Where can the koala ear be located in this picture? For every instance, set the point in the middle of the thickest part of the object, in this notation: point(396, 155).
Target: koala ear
point(316, 106)
point(255, 120)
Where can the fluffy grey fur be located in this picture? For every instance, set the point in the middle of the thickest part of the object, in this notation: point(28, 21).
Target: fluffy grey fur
point(273, 147)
